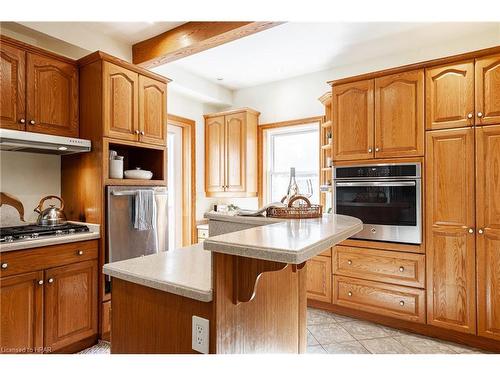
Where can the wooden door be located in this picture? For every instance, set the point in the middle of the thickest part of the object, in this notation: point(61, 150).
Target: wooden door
point(51, 96)
point(12, 87)
point(449, 231)
point(319, 279)
point(488, 90)
point(236, 152)
point(449, 96)
point(399, 115)
point(21, 313)
point(353, 121)
point(152, 111)
point(488, 225)
point(121, 97)
point(214, 155)
point(70, 304)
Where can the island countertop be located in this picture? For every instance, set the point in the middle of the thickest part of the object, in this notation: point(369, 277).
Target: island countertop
point(289, 241)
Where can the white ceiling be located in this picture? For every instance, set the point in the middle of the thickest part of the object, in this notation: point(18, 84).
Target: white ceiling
point(294, 49)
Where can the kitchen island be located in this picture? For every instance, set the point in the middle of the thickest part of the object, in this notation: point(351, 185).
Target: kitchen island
point(250, 285)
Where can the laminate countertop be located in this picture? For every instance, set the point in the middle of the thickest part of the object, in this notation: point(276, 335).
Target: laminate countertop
point(186, 272)
point(290, 241)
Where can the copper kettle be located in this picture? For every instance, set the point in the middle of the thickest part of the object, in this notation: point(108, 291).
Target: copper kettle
point(51, 215)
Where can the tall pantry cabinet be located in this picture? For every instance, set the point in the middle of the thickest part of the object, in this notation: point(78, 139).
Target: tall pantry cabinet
point(463, 196)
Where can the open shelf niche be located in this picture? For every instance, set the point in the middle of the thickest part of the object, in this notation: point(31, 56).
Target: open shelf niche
point(326, 152)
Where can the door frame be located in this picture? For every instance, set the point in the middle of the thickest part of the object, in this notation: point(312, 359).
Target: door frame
point(260, 146)
point(189, 235)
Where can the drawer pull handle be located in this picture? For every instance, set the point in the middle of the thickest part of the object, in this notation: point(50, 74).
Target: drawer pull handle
point(40, 282)
point(349, 294)
point(349, 262)
point(51, 280)
point(401, 303)
point(4, 266)
point(401, 269)
point(80, 252)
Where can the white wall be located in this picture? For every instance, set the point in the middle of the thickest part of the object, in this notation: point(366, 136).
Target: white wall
point(29, 177)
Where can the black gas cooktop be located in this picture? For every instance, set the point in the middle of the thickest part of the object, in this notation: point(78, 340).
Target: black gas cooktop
point(24, 232)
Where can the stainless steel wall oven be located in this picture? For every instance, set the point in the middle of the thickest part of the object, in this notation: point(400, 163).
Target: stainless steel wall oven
point(386, 197)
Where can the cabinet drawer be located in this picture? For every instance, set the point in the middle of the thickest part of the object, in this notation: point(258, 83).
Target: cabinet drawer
point(379, 298)
point(378, 265)
point(47, 257)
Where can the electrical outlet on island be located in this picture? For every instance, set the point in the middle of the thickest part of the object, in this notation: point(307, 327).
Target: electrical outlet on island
point(200, 334)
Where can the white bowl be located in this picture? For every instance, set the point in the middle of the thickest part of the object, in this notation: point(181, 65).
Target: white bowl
point(138, 174)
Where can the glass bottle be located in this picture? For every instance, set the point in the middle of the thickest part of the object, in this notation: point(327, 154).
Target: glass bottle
point(293, 188)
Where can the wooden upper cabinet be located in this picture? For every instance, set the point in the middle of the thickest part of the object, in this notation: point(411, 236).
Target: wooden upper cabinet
point(450, 239)
point(22, 313)
point(488, 90)
point(231, 154)
point(120, 96)
point(488, 230)
point(353, 121)
point(152, 110)
point(235, 152)
point(70, 304)
point(449, 96)
point(215, 154)
point(399, 115)
point(12, 87)
point(51, 96)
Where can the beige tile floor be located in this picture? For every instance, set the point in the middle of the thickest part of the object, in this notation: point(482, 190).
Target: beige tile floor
point(329, 333)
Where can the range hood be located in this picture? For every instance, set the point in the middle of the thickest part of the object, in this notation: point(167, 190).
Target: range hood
point(15, 140)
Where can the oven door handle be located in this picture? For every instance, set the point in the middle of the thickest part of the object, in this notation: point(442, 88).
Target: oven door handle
point(376, 183)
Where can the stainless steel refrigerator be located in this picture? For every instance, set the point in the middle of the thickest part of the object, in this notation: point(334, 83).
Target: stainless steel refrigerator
point(123, 240)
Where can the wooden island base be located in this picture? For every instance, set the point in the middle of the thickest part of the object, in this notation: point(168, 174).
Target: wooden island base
point(258, 306)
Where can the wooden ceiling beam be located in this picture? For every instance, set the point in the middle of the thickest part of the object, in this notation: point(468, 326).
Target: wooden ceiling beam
point(191, 38)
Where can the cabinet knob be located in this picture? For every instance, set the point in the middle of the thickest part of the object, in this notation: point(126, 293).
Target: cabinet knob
point(480, 231)
point(51, 280)
point(22, 121)
point(4, 266)
point(401, 303)
point(136, 131)
point(349, 294)
point(480, 114)
point(377, 149)
point(470, 115)
point(401, 269)
point(40, 282)
point(370, 150)
point(80, 252)
point(471, 230)
point(32, 122)
point(349, 262)
point(142, 132)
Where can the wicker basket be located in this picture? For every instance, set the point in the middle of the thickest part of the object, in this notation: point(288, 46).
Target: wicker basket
point(304, 209)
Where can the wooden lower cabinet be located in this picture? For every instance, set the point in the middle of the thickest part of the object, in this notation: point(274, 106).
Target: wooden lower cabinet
point(319, 279)
point(385, 299)
point(70, 304)
point(488, 230)
point(21, 313)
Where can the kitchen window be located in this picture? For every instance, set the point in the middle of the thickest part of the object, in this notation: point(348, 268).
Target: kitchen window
point(292, 146)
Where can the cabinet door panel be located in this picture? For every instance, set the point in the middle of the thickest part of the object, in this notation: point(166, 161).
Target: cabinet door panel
point(353, 121)
point(21, 313)
point(488, 90)
point(450, 214)
point(70, 304)
point(51, 96)
point(214, 155)
point(399, 115)
point(450, 96)
point(319, 279)
point(120, 94)
point(12, 87)
point(235, 152)
point(152, 110)
point(488, 220)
